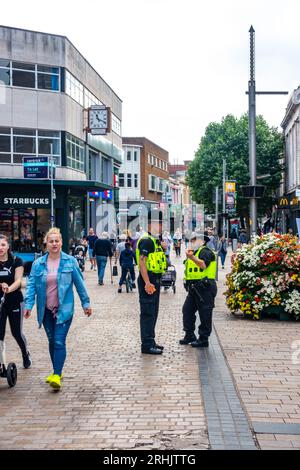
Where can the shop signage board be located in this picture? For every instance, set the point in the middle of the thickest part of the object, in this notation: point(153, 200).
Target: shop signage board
point(36, 168)
point(24, 201)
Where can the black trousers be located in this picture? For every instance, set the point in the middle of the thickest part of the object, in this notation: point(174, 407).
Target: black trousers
point(205, 309)
point(15, 318)
point(149, 305)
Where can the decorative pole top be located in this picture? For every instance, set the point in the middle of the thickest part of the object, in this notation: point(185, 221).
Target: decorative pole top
point(252, 54)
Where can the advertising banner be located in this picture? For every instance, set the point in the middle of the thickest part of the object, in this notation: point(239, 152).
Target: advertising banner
point(230, 197)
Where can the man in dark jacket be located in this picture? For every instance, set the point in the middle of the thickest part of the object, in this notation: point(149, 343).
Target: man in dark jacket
point(126, 261)
point(102, 250)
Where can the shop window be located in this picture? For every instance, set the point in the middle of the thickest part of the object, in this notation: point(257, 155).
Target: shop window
point(19, 158)
point(75, 153)
point(106, 173)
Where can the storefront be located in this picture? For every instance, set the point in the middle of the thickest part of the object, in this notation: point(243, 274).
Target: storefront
point(25, 211)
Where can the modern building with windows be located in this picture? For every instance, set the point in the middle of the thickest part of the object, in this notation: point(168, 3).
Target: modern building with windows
point(143, 176)
point(46, 88)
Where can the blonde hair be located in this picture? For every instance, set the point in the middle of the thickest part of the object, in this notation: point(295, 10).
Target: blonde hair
point(52, 231)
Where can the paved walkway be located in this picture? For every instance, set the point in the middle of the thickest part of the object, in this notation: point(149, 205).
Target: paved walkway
point(260, 356)
point(113, 397)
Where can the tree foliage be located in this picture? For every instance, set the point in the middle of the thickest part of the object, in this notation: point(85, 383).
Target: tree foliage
point(229, 140)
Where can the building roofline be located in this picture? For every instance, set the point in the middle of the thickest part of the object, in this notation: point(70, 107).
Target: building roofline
point(67, 39)
point(148, 140)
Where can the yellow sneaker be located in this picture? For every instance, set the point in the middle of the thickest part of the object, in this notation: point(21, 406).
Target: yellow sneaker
point(48, 379)
point(55, 381)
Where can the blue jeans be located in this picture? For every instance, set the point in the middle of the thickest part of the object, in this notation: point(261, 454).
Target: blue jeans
point(57, 334)
point(223, 256)
point(101, 263)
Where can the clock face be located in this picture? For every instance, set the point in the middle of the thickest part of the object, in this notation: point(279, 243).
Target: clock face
point(98, 119)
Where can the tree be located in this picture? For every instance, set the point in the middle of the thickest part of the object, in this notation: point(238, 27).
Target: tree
point(229, 140)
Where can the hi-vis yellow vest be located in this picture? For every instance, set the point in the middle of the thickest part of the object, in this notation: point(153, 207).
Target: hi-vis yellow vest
point(192, 272)
point(157, 261)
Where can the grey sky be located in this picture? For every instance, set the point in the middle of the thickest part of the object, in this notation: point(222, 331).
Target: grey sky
point(177, 65)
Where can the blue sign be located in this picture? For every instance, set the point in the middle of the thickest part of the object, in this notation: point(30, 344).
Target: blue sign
point(36, 167)
point(94, 194)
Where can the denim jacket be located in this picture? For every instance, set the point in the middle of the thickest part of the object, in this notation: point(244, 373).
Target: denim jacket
point(68, 274)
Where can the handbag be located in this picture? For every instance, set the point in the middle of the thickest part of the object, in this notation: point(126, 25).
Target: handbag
point(115, 270)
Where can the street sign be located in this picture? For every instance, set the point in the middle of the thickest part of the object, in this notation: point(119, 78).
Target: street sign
point(36, 167)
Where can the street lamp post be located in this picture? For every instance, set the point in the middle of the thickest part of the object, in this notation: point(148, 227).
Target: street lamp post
point(253, 189)
point(52, 187)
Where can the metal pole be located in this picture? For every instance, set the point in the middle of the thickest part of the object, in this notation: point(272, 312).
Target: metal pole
point(52, 188)
point(224, 207)
point(252, 134)
point(217, 208)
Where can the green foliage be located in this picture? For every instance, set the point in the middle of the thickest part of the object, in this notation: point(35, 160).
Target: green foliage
point(229, 139)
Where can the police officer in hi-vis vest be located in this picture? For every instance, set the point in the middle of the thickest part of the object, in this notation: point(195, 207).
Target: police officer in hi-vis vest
point(152, 263)
point(199, 281)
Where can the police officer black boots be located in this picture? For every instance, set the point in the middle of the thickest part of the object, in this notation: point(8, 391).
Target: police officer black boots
point(188, 339)
point(200, 343)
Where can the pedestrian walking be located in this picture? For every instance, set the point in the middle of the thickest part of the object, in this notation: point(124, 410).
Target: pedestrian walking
point(152, 263)
point(102, 250)
point(234, 239)
point(127, 260)
point(177, 239)
point(168, 241)
point(91, 239)
point(50, 284)
point(222, 250)
point(11, 274)
point(199, 282)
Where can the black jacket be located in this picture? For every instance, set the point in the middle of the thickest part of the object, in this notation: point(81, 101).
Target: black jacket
point(102, 248)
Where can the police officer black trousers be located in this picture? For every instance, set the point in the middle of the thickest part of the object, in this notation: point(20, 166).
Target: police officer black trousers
point(149, 310)
point(205, 307)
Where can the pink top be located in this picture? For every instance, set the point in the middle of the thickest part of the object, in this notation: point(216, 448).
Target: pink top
point(52, 290)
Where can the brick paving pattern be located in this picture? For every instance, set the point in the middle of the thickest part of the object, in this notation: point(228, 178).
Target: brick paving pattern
point(260, 357)
point(113, 397)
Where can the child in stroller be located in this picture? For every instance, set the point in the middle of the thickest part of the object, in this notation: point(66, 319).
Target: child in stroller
point(79, 252)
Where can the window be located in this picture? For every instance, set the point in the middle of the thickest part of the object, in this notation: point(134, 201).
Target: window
point(135, 155)
point(116, 124)
point(135, 180)
point(106, 176)
point(152, 183)
point(90, 99)
point(149, 158)
point(4, 72)
point(128, 155)
point(74, 88)
point(28, 142)
point(160, 185)
point(121, 180)
point(129, 182)
point(25, 75)
point(75, 153)
point(45, 139)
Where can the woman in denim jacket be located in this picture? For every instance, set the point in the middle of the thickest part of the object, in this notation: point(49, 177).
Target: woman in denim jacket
point(51, 282)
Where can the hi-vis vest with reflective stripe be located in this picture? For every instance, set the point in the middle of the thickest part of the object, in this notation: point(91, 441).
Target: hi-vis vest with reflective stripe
point(157, 261)
point(192, 272)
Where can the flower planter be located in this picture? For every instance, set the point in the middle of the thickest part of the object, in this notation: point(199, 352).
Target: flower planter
point(275, 311)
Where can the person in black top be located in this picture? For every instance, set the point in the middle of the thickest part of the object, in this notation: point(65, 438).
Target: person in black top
point(102, 250)
point(91, 239)
point(11, 273)
point(201, 295)
point(149, 289)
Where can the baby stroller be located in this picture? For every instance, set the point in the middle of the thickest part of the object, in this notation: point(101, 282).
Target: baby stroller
point(169, 278)
point(10, 372)
point(79, 255)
